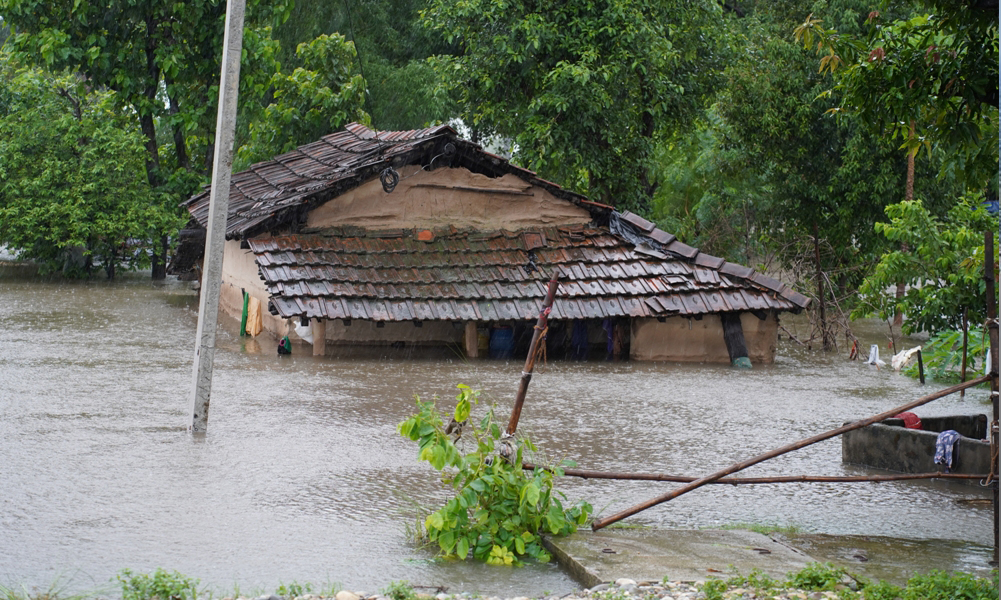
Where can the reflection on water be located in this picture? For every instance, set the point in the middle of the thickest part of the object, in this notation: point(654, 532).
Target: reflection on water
point(302, 476)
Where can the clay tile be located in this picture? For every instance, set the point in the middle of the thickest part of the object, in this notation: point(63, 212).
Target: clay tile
point(706, 260)
point(661, 236)
point(682, 249)
point(425, 235)
point(736, 270)
point(641, 223)
point(798, 299)
point(766, 281)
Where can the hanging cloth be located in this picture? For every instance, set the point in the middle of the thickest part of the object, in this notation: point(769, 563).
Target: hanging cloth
point(944, 448)
point(243, 315)
point(252, 322)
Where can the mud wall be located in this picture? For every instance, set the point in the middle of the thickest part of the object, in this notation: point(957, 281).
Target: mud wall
point(239, 271)
point(459, 197)
point(681, 339)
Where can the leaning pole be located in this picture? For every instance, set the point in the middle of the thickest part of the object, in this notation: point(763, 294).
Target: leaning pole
point(222, 170)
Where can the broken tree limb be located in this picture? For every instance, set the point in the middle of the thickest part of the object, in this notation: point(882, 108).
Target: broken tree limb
point(600, 523)
point(586, 474)
point(533, 349)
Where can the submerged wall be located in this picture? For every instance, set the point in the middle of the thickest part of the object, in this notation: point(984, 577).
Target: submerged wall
point(683, 339)
point(910, 450)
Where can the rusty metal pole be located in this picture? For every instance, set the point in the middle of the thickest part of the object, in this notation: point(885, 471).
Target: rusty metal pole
point(526, 373)
point(586, 474)
point(600, 523)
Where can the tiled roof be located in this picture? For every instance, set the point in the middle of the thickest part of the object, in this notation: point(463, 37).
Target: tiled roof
point(640, 271)
point(275, 193)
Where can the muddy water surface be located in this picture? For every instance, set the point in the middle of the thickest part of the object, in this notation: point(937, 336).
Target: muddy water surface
point(302, 476)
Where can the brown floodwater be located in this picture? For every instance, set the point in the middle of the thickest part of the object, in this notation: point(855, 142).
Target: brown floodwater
point(303, 478)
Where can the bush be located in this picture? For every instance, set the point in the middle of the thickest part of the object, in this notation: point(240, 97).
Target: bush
point(161, 585)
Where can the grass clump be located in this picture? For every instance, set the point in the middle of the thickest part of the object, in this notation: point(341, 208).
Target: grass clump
point(56, 591)
point(159, 585)
point(826, 577)
point(399, 590)
point(293, 590)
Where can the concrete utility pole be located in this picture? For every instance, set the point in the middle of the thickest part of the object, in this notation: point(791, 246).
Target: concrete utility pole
point(222, 170)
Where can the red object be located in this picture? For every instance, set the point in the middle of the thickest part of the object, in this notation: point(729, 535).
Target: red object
point(911, 420)
point(425, 236)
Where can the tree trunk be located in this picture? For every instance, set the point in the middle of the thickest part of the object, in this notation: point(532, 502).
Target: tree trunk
point(824, 333)
point(146, 115)
point(898, 318)
point(180, 145)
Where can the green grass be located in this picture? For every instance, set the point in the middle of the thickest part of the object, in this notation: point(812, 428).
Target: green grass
point(826, 577)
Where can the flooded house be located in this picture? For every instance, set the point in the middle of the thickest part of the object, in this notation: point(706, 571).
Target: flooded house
point(423, 239)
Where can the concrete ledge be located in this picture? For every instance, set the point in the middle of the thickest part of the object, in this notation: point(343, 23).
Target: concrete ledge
point(680, 555)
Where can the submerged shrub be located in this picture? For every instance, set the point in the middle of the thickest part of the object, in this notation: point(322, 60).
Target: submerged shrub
point(499, 509)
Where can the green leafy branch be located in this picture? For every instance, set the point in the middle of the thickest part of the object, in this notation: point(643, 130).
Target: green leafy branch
point(499, 510)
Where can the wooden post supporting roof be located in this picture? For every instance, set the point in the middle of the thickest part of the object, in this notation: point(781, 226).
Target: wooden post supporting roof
point(319, 337)
point(472, 340)
point(733, 335)
point(222, 171)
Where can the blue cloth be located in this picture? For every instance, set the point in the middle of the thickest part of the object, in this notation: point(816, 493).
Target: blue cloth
point(943, 448)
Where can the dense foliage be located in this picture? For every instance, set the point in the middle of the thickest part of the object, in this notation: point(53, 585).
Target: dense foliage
point(499, 510)
point(72, 190)
point(392, 47)
point(583, 90)
point(929, 78)
point(318, 97)
point(943, 266)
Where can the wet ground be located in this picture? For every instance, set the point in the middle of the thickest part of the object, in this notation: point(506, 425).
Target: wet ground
point(302, 476)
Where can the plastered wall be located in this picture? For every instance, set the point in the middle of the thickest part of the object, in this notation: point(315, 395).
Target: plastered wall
point(680, 339)
point(459, 197)
point(239, 271)
point(367, 332)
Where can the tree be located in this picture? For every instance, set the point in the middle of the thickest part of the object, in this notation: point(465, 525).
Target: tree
point(944, 269)
point(72, 193)
point(779, 176)
point(159, 57)
point(391, 54)
point(584, 90)
point(929, 79)
point(317, 98)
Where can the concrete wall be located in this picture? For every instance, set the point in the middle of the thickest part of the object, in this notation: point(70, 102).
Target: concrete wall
point(910, 450)
point(459, 197)
point(681, 339)
point(972, 426)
